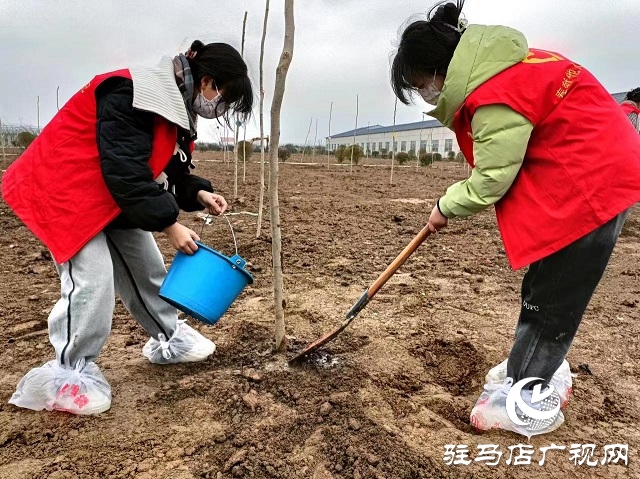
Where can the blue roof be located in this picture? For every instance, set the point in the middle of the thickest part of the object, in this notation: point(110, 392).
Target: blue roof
point(375, 129)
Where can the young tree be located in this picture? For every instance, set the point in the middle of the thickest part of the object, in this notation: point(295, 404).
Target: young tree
point(25, 138)
point(354, 136)
point(355, 152)
point(329, 148)
point(304, 148)
point(393, 140)
point(402, 157)
point(274, 203)
point(245, 150)
point(238, 123)
point(264, 35)
point(283, 154)
point(315, 141)
point(4, 154)
point(341, 153)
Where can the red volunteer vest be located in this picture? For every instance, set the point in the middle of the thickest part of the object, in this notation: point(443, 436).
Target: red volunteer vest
point(628, 108)
point(582, 164)
point(56, 186)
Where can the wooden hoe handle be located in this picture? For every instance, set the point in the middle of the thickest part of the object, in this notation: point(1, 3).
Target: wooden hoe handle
point(402, 257)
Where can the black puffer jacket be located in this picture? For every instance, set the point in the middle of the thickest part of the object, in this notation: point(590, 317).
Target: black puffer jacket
point(125, 136)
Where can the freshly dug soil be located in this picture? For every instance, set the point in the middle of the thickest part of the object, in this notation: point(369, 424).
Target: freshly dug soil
point(381, 401)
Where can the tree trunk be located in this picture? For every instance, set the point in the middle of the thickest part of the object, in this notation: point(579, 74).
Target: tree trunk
point(329, 145)
point(244, 154)
point(274, 204)
point(244, 137)
point(368, 139)
point(264, 35)
point(393, 140)
point(315, 141)
point(235, 138)
point(224, 147)
point(306, 140)
point(353, 146)
point(235, 161)
point(4, 154)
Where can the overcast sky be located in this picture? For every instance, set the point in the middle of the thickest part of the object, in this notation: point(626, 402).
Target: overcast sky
point(342, 49)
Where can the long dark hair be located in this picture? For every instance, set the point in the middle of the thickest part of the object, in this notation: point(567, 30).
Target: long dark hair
point(426, 48)
point(224, 64)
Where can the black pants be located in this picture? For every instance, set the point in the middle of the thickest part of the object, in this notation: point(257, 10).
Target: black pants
point(555, 293)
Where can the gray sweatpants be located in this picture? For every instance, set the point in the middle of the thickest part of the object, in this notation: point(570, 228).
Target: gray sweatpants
point(127, 262)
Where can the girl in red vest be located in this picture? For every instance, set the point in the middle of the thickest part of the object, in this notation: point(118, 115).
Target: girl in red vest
point(530, 123)
point(631, 107)
point(113, 166)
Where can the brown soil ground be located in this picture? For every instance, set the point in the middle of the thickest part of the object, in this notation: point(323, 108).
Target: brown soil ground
point(398, 384)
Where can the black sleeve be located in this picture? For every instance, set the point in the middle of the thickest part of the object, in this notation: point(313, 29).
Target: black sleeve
point(186, 192)
point(124, 139)
point(182, 183)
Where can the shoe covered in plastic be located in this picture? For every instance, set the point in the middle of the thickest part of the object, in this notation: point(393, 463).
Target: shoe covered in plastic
point(527, 417)
point(561, 380)
point(79, 390)
point(186, 345)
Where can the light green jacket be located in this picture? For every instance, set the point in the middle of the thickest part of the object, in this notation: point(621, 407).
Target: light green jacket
point(500, 134)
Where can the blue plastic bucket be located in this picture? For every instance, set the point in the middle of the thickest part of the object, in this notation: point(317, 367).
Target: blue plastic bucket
point(205, 284)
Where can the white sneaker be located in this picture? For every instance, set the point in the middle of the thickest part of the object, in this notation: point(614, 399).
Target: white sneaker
point(490, 411)
point(81, 390)
point(185, 346)
point(561, 380)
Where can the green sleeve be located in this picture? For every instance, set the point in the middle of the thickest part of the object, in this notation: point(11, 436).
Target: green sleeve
point(500, 139)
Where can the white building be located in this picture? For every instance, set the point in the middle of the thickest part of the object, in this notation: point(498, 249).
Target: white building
point(430, 136)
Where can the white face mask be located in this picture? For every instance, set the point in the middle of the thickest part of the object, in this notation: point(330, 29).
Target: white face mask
point(430, 93)
point(209, 109)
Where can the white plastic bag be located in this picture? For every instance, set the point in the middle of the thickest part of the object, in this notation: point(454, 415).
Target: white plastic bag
point(561, 379)
point(490, 411)
point(79, 390)
point(185, 346)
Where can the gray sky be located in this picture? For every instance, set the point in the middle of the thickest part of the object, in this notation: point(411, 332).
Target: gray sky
point(342, 49)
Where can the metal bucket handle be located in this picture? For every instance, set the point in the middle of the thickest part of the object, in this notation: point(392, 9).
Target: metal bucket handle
point(237, 260)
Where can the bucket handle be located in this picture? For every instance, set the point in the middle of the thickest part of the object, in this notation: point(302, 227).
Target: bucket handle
point(235, 242)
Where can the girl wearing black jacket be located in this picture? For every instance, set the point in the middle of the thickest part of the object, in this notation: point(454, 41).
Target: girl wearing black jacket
point(120, 152)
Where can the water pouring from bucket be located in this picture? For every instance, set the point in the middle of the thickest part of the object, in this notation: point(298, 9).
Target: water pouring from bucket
point(205, 284)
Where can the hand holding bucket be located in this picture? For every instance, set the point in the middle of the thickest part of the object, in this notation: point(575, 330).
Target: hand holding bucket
point(206, 283)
